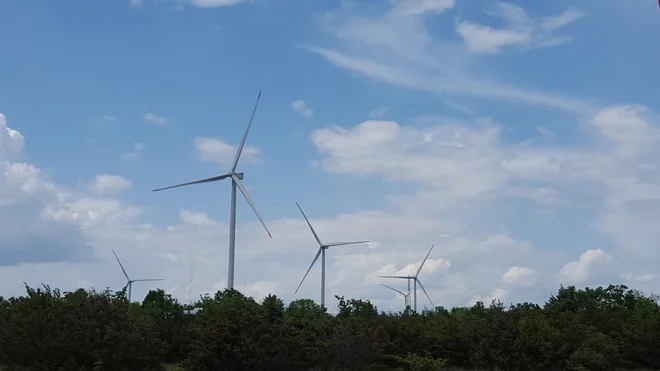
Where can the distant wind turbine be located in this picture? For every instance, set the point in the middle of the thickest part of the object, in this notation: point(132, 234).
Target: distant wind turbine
point(406, 297)
point(235, 182)
point(129, 282)
point(416, 281)
point(321, 251)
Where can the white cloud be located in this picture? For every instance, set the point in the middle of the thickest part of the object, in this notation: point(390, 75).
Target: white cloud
point(154, 118)
point(578, 271)
point(520, 30)
point(11, 141)
point(520, 276)
point(302, 108)
point(217, 151)
point(191, 218)
point(497, 294)
point(136, 3)
point(109, 184)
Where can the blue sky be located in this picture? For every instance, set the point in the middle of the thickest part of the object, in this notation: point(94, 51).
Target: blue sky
point(528, 127)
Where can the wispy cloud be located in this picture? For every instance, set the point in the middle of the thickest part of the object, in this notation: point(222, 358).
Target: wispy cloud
point(105, 119)
point(520, 31)
point(379, 112)
point(215, 3)
point(136, 3)
point(396, 48)
point(217, 151)
point(134, 154)
point(154, 118)
point(302, 108)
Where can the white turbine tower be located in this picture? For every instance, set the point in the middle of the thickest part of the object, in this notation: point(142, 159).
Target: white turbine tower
point(416, 281)
point(129, 282)
point(321, 251)
point(406, 297)
point(235, 182)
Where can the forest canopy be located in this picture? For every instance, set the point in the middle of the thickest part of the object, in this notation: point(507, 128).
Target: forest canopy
point(576, 329)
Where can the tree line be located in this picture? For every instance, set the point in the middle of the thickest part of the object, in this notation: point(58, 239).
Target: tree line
point(576, 329)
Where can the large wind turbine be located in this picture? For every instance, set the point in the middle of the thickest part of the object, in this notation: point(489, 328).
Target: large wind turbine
point(416, 281)
point(235, 182)
point(129, 282)
point(321, 251)
point(406, 297)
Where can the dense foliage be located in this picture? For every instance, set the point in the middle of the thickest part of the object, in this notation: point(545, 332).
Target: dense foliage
point(590, 329)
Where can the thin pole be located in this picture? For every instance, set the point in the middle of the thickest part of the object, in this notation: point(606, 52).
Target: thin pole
point(323, 277)
point(408, 297)
point(191, 279)
point(415, 294)
point(232, 237)
point(130, 286)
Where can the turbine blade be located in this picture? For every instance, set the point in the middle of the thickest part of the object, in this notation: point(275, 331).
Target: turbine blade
point(424, 261)
point(121, 265)
point(127, 283)
point(402, 277)
point(240, 146)
point(240, 186)
point(345, 243)
point(392, 288)
point(149, 279)
point(309, 269)
point(207, 180)
point(310, 225)
point(425, 293)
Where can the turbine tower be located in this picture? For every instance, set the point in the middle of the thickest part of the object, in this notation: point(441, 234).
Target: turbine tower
point(129, 282)
point(236, 181)
point(321, 251)
point(406, 297)
point(416, 281)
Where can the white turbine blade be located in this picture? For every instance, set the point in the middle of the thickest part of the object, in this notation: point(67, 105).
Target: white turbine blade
point(127, 283)
point(402, 277)
point(345, 243)
point(149, 279)
point(309, 269)
point(310, 225)
point(240, 146)
point(424, 261)
point(240, 186)
point(207, 180)
point(120, 265)
point(427, 295)
point(392, 288)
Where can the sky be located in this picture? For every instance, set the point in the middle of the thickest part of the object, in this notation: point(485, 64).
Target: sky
point(521, 138)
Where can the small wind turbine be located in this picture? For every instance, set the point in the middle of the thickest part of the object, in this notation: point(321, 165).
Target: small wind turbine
point(129, 282)
point(235, 182)
point(416, 281)
point(406, 297)
point(321, 251)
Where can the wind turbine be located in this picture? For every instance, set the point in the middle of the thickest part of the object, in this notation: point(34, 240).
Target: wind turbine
point(406, 297)
point(129, 282)
point(321, 251)
point(235, 182)
point(416, 281)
